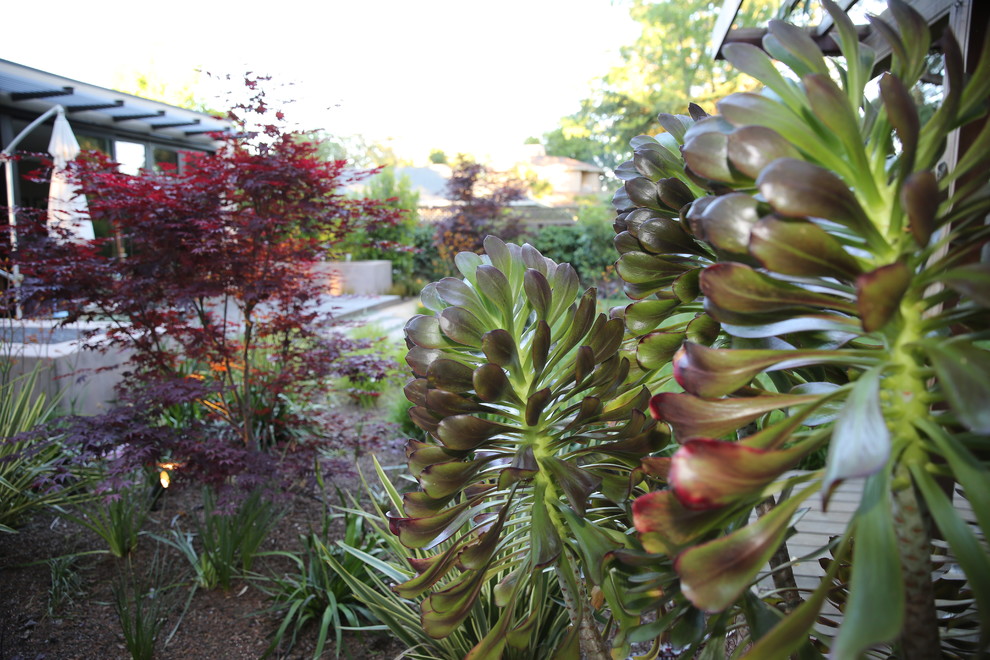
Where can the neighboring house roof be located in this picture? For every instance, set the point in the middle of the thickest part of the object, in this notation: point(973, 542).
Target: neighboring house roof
point(429, 182)
point(569, 163)
point(28, 91)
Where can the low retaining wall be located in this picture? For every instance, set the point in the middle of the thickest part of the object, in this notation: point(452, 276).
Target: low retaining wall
point(86, 377)
point(368, 278)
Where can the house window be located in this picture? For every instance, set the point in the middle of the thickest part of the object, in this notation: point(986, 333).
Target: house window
point(130, 155)
point(165, 160)
point(91, 143)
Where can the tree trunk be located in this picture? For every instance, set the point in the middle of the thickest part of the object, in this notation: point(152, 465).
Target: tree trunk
point(592, 645)
point(919, 637)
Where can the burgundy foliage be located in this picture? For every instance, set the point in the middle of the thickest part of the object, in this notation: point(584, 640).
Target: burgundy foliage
point(208, 278)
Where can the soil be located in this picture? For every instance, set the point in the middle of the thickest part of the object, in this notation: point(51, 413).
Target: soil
point(217, 625)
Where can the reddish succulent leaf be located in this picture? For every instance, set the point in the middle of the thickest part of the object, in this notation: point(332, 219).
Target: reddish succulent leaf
point(800, 247)
point(707, 155)
point(490, 382)
point(674, 193)
point(879, 293)
point(450, 375)
point(419, 359)
point(441, 402)
point(796, 188)
point(430, 572)
point(643, 192)
point(466, 432)
point(415, 391)
point(443, 479)
point(421, 455)
point(428, 531)
point(460, 325)
point(714, 574)
point(752, 148)
point(710, 474)
point(666, 236)
point(726, 222)
point(920, 198)
point(903, 116)
point(540, 348)
point(735, 287)
point(499, 347)
point(664, 524)
point(444, 610)
point(576, 483)
point(691, 416)
point(710, 372)
point(537, 292)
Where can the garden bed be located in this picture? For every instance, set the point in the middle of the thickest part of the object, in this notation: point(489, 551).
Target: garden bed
point(217, 623)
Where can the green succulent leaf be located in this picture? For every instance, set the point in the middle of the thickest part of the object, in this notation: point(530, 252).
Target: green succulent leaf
point(972, 281)
point(794, 246)
point(963, 371)
point(875, 609)
point(715, 574)
point(795, 47)
point(860, 443)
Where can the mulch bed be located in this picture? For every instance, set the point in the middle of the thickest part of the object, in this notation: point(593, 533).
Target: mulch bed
point(218, 625)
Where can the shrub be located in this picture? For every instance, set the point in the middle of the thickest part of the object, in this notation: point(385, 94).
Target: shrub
point(215, 295)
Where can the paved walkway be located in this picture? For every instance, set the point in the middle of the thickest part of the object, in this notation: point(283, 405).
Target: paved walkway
point(390, 313)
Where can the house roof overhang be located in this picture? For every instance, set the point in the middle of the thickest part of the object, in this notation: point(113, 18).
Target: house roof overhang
point(723, 33)
point(28, 91)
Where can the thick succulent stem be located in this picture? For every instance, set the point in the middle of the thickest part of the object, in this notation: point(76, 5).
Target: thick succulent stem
point(590, 641)
point(920, 636)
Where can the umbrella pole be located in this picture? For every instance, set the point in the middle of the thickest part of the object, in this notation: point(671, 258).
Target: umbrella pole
point(15, 276)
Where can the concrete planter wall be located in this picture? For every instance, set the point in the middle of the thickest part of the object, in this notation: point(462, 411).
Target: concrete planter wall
point(86, 377)
point(369, 278)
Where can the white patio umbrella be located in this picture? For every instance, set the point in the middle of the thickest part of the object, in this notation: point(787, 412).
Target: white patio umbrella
point(67, 207)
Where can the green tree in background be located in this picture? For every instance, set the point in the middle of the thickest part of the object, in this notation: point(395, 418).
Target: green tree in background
point(393, 242)
point(360, 152)
point(668, 66)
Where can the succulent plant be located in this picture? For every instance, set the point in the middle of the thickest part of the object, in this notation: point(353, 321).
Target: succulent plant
point(844, 307)
point(537, 418)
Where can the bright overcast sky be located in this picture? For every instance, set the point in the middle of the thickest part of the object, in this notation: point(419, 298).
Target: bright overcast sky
point(457, 75)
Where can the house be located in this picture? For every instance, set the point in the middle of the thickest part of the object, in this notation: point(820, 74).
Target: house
point(135, 132)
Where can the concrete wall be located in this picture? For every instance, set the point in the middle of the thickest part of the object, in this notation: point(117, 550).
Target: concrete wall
point(369, 278)
point(86, 377)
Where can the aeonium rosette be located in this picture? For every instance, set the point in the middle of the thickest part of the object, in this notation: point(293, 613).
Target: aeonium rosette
point(537, 419)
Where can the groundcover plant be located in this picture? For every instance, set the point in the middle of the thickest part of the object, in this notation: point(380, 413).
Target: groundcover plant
point(807, 270)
